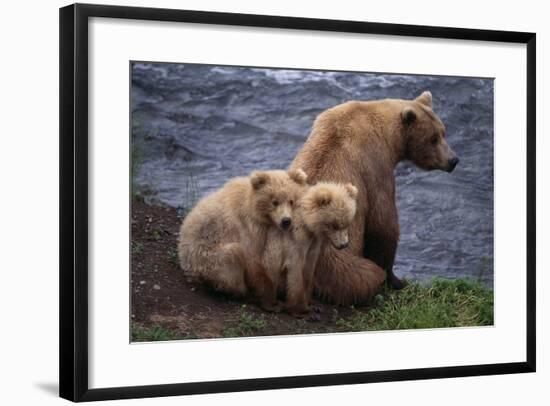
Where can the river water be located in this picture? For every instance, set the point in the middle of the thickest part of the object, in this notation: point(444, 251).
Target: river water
point(195, 126)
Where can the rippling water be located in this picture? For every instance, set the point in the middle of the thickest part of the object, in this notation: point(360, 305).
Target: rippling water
point(195, 126)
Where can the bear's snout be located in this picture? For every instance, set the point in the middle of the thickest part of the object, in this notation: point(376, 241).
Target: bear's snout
point(343, 245)
point(453, 162)
point(286, 222)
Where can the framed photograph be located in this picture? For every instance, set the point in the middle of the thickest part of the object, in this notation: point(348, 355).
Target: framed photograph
point(256, 202)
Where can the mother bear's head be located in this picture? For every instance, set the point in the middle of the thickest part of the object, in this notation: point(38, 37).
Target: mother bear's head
point(424, 133)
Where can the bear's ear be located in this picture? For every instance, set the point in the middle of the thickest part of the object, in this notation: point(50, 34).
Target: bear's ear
point(408, 115)
point(425, 98)
point(352, 190)
point(258, 179)
point(323, 198)
point(298, 176)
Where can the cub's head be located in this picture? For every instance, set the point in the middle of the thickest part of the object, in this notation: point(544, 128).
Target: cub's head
point(425, 136)
point(328, 210)
point(274, 194)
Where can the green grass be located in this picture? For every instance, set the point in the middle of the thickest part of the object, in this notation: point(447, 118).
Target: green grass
point(155, 333)
point(483, 268)
point(136, 159)
point(173, 256)
point(137, 247)
point(156, 234)
point(190, 189)
point(443, 303)
point(247, 325)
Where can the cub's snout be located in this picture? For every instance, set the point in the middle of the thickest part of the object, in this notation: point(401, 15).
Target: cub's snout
point(286, 222)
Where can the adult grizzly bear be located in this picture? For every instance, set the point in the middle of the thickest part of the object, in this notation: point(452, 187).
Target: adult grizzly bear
point(361, 143)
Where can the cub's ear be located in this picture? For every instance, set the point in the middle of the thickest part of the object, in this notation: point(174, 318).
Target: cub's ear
point(425, 98)
point(408, 115)
point(352, 190)
point(258, 179)
point(323, 198)
point(298, 176)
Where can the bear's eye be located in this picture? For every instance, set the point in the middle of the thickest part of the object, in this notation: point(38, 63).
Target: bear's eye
point(335, 227)
point(275, 203)
point(291, 202)
point(434, 140)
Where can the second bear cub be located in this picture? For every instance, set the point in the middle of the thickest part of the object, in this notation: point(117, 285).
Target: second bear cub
point(322, 216)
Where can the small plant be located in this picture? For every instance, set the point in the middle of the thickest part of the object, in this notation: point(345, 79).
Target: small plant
point(247, 325)
point(137, 247)
point(173, 256)
point(136, 158)
point(155, 234)
point(483, 268)
point(190, 190)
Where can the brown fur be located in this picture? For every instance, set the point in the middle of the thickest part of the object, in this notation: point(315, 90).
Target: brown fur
point(321, 218)
point(361, 143)
point(222, 239)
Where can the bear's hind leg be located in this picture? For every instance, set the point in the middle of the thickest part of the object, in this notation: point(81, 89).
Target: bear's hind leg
point(343, 278)
point(230, 277)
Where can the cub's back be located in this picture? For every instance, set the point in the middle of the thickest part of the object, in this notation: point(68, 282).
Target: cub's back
point(214, 218)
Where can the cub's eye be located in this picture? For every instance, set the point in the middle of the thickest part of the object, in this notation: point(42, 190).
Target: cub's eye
point(434, 140)
point(335, 227)
point(291, 202)
point(275, 203)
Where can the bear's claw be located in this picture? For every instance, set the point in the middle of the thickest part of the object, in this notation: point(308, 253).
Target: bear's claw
point(316, 309)
point(397, 283)
point(314, 317)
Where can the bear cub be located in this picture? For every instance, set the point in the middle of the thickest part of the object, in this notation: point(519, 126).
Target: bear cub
point(321, 218)
point(222, 239)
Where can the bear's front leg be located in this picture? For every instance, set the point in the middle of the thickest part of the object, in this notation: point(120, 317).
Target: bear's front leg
point(261, 282)
point(297, 302)
point(264, 288)
point(380, 246)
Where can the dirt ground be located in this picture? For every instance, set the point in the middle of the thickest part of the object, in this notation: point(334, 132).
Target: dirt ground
point(168, 305)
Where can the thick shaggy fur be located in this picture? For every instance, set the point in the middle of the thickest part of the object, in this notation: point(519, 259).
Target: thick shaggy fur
point(361, 143)
point(321, 218)
point(222, 240)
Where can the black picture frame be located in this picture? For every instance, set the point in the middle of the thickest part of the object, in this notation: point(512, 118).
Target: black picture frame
point(73, 281)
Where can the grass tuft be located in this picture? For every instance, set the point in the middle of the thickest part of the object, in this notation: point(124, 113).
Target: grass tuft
point(173, 256)
point(248, 325)
point(190, 189)
point(443, 303)
point(136, 159)
point(154, 333)
point(137, 247)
